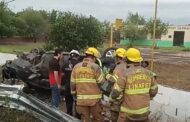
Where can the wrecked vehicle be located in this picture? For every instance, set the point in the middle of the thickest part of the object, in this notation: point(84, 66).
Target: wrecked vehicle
point(34, 72)
point(13, 98)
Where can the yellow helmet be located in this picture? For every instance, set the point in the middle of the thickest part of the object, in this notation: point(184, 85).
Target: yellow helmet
point(121, 52)
point(134, 55)
point(93, 51)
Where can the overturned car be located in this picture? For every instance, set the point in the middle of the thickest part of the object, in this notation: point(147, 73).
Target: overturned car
point(33, 68)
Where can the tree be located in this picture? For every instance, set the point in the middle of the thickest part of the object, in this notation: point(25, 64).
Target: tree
point(44, 14)
point(52, 16)
point(161, 28)
point(132, 29)
point(20, 26)
point(135, 19)
point(6, 17)
point(107, 32)
point(36, 24)
point(71, 31)
point(133, 32)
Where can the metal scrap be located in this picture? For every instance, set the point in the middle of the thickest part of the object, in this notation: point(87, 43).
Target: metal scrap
point(13, 97)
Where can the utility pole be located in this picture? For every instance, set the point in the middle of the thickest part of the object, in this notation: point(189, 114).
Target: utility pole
point(111, 36)
point(117, 26)
point(154, 35)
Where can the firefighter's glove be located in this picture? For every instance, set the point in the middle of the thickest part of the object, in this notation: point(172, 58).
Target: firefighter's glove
point(105, 71)
point(111, 100)
point(108, 76)
point(114, 94)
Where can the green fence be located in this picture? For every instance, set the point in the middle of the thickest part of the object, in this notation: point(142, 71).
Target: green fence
point(159, 43)
point(187, 44)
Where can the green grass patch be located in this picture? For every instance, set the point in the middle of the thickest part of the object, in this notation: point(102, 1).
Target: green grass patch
point(14, 48)
point(13, 115)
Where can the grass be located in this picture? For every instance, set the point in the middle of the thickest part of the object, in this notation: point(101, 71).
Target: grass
point(13, 115)
point(14, 48)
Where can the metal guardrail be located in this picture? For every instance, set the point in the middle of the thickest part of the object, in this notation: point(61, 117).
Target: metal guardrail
point(13, 97)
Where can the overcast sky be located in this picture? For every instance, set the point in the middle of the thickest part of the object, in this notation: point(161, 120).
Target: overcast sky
point(172, 11)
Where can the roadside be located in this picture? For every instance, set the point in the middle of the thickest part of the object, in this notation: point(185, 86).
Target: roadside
point(16, 48)
point(173, 75)
point(174, 49)
point(15, 116)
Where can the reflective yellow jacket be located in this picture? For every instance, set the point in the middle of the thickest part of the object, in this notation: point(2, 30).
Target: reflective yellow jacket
point(119, 70)
point(138, 86)
point(85, 79)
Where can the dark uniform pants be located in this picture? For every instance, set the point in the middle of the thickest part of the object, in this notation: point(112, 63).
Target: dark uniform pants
point(69, 104)
point(123, 118)
point(115, 107)
point(87, 111)
point(114, 116)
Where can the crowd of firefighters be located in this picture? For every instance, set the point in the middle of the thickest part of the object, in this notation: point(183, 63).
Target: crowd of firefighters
point(133, 85)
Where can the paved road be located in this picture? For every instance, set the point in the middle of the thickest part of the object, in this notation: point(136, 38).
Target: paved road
point(166, 56)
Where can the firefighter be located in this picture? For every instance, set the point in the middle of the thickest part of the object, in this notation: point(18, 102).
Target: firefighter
point(86, 78)
point(67, 69)
point(138, 87)
point(120, 68)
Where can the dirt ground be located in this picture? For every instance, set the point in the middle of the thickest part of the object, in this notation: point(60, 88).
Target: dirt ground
point(173, 75)
point(172, 68)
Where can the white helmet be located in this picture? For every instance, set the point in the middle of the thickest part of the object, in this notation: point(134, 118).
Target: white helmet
point(74, 52)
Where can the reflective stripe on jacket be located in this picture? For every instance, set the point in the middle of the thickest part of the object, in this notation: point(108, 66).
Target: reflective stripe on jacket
point(85, 78)
point(119, 70)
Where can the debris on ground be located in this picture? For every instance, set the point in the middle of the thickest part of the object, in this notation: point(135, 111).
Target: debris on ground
point(13, 115)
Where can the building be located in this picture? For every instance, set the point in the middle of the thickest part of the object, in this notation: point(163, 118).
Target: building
point(177, 36)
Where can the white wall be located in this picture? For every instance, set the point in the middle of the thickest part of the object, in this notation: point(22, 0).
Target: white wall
point(171, 30)
point(5, 56)
point(168, 100)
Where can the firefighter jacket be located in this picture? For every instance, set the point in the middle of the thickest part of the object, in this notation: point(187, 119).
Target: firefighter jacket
point(138, 87)
point(120, 69)
point(85, 80)
point(112, 76)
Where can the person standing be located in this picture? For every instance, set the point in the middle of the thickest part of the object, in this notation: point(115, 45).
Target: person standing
point(67, 69)
point(55, 77)
point(86, 78)
point(138, 87)
point(120, 68)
